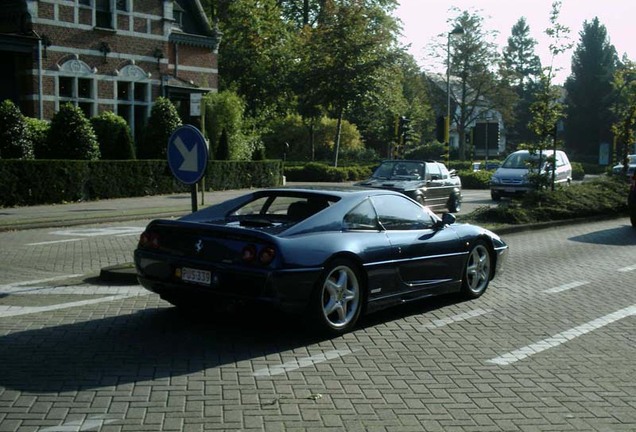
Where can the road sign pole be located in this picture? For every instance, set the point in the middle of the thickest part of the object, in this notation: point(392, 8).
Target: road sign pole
point(193, 195)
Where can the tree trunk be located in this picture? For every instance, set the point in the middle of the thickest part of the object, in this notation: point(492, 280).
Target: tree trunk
point(338, 131)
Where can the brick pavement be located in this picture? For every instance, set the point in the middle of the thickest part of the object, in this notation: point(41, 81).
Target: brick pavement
point(134, 363)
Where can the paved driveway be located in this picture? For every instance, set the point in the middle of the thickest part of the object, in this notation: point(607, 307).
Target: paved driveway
point(550, 346)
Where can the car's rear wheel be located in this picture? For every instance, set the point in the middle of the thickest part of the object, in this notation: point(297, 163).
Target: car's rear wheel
point(337, 298)
point(632, 217)
point(477, 271)
point(454, 204)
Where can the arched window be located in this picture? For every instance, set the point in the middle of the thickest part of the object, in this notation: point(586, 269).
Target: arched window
point(76, 84)
point(133, 92)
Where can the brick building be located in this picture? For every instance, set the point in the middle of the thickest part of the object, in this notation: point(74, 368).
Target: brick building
point(115, 55)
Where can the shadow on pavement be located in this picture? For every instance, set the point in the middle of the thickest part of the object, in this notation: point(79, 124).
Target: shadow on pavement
point(151, 344)
point(624, 235)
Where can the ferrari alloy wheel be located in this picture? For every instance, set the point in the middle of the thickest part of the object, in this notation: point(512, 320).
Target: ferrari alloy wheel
point(339, 298)
point(477, 271)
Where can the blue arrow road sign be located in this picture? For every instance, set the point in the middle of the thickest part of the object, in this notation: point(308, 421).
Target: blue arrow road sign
point(187, 154)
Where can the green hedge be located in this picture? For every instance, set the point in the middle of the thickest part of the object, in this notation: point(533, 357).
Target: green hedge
point(318, 172)
point(475, 179)
point(33, 182)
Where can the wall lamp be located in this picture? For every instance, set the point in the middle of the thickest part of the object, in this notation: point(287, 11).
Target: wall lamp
point(158, 54)
point(46, 42)
point(104, 48)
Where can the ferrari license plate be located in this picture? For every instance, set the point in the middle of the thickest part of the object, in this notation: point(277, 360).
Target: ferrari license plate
point(202, 277)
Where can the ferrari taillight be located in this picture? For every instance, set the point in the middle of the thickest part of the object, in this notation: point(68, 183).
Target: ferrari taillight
point(264, 256)
point(249, 253)
point(267, 255)
point(149, 240)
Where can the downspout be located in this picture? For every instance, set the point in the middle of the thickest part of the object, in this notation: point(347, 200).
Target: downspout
point(40, 89)
point(176, 60)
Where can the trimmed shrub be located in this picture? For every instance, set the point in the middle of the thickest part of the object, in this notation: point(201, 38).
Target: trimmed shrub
point(71, 136)
point(223, 150)
point(38, 134)
point(475, 179)
point(14, 142)
point(164, 120)
point(114, 136)
point(578, 173)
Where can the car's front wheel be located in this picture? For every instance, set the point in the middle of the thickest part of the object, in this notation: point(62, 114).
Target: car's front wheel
point(495, 196)
point(337, 299)
point(477, 270)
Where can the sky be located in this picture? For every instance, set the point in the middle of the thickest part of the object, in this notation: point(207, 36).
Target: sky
point(425, 22)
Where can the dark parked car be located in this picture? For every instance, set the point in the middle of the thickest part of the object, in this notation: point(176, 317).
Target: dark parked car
point(429, 183)
point(330, 254)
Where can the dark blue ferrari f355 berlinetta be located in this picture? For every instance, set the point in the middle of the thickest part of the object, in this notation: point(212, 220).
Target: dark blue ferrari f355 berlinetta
point(331, 254)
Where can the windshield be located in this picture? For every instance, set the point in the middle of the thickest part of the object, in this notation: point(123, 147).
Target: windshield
point(400, 170)
point(522, 160)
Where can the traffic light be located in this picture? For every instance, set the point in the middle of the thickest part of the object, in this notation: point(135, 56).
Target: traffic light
point(404, 129)
point(440, 129)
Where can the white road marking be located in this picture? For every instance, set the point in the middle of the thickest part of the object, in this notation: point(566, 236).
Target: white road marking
point(456, 318)
point(82, 289)
point(10, 311)
point(91, 423)
point(38, 281)
point(565, 287)
point(303, 362)
point(563, 337)
point(53, 242)
point(95, 232)
point(627, 269)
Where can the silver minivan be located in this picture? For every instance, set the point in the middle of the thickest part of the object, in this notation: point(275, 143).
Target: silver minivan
point(511, 178)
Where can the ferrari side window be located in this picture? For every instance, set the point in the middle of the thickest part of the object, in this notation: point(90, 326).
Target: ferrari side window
point(362, 217)
point(399, 213)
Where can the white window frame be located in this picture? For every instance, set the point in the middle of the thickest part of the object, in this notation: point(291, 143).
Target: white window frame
point(76, 69)
point(134, 76)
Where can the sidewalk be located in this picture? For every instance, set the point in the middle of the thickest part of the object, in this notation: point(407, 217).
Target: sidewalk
point(112, 210)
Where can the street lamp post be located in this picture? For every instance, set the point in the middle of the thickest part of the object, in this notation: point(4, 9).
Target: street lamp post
point(456, 31)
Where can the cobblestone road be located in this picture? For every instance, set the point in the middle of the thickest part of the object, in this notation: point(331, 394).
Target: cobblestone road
point(549, 347)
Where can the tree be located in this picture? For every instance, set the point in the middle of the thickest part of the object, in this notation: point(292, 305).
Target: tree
point(589, 92)
point(547, 109)
point(224, 112)
point(521, 65)
point(14, 142)
point(401, 91)
point(624, 109)
point(164, 120)
point(256, 56)
point(474, 90)
point(71, 136)
point(348, 49)
point(520, 70)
